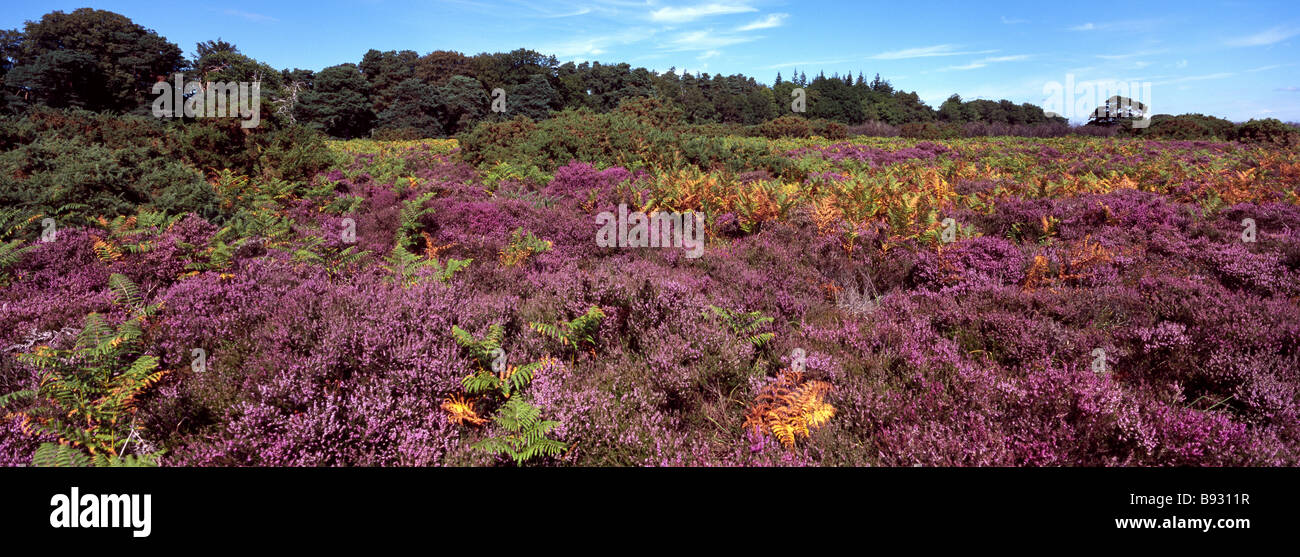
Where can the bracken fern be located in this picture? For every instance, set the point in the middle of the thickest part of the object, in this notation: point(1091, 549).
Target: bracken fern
point(86, 395)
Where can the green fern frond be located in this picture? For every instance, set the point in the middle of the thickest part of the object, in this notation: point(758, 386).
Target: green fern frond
point(579, 333)
point(526, 434)
point(745, 324)
point(481, 382)
point(54, 455)
point(125, 291)
point(11, 253)
point(10, 398)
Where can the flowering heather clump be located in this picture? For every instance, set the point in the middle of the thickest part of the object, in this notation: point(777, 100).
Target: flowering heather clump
point(1103, 302)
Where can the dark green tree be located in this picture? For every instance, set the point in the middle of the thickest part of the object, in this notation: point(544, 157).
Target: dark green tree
point(338, 103)
point(436, 67)
point(384, 71)
point(413, 108)
point(534, 98)
point(461, 103)
point(116, 59)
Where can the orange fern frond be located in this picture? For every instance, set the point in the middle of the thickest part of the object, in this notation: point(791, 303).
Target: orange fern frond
point(461, 411)
point(789, 408)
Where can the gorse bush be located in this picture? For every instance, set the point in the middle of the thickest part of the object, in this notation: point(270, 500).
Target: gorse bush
point(931, 130)
point(74, 165)
point(1269, 130)
point(785, 126)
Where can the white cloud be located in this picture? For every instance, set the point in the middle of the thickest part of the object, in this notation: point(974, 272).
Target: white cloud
point(1016, 58)
point(1131, 54)
point(805, 64)
point(686, 14)
point(1127, 25)
point(594, 45)
point(772, 20)
point(1266, 37)
point(925, 52)
point(1013, 21)
point(1181, 64)
point(986, 61)
point(1219, 75)
point(259, 18)
point(704, 40)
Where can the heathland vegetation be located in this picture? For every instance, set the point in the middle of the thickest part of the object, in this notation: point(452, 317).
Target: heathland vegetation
point(880, 283)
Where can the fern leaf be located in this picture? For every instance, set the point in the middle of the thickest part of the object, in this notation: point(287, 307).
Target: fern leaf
point(54, 455)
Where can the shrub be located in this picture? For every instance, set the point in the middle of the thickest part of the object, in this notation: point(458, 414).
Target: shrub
point(785, 126)
point(294, 154)
point(75, 178)
point(874, 128)
point(931, 130)
point(1269, 130)
point(496, 141)
point(651, 112)
point(732, 153)
point(612, 139)
point(830, 129)
point(1178, 128)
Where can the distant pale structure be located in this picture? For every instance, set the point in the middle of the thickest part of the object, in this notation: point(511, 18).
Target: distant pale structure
point(1118, 110)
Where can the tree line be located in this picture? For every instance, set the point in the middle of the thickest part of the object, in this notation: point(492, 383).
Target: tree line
point(102, 61)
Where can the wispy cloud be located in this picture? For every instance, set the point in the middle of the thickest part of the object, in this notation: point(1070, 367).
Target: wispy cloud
point(986, 61)
point(595, 45)
point(1126, 25)
point(257, 18)
point(1131, 54)
point(772, 20)
point(926, 52)
point(687, 14)
point(1288, 89)
point(1266, 37)
point(1015, 58)
point(1220, 75)
point(580, 11)
point(813, 63)
point(1013, 21)
point(704, 40)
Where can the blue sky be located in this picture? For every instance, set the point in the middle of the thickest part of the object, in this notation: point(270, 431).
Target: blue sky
point(1232, 59)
